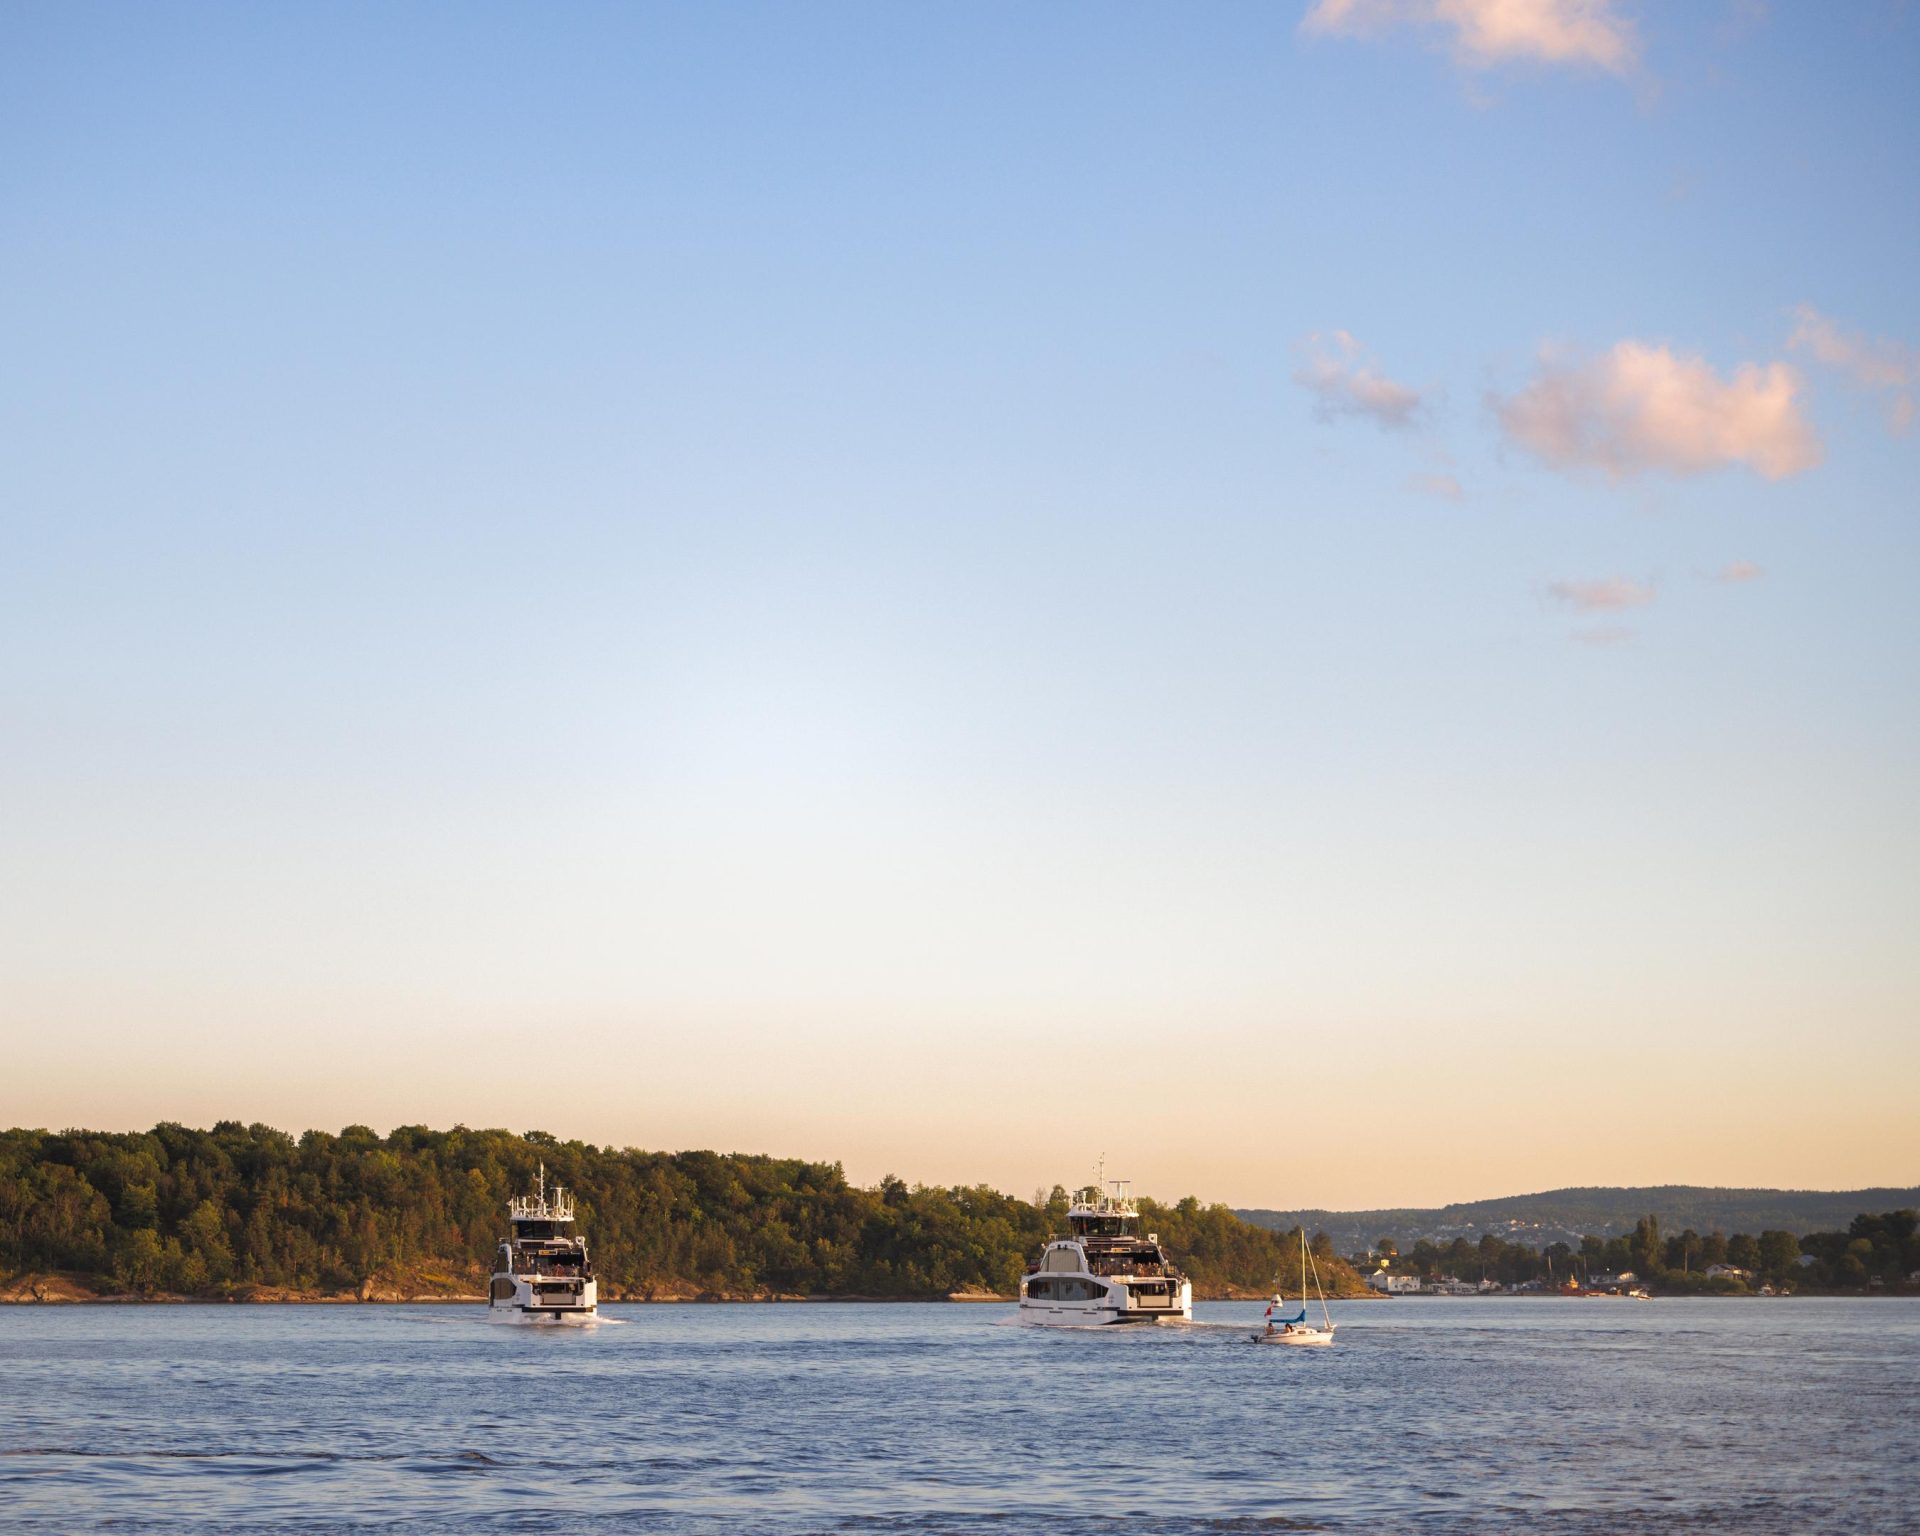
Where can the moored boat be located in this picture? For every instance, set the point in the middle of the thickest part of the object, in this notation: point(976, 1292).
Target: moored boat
point(1103, 1271)
point(542, 1273)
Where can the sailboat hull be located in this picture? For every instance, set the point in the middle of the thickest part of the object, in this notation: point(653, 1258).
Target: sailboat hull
point(1309, 1338)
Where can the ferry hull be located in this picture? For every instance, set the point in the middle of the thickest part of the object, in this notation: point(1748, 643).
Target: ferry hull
point(546, 1317)
point(1095, 1317)
point(539, 1299)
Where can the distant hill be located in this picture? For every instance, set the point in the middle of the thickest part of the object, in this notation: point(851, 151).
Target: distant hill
point(1566, 1215)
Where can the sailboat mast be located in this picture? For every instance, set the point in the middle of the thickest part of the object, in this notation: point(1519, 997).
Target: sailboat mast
point(1326, 1318)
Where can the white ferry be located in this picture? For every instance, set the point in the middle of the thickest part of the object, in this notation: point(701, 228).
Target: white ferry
point(1103, 1270)
point(542, 1273)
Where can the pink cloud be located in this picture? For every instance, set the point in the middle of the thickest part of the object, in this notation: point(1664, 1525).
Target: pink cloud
point(1611, 594)
point(1735, 571)
point(1341, 375)
point(1643, 407)
point(1488, 32)
point(1871, 362)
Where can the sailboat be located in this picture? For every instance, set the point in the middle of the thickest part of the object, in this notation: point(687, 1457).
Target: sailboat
point(1281, 1329)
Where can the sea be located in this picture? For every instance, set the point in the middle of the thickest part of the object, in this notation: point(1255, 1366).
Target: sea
point(1555, 1415)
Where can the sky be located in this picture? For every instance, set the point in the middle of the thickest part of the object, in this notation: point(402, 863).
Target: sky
point(1314, 598)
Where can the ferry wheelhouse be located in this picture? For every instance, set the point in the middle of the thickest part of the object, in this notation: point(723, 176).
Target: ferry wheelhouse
point(1103, 1270)
point(542, 1273)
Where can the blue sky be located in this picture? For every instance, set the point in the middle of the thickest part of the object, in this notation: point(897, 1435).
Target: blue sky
point(786, 552)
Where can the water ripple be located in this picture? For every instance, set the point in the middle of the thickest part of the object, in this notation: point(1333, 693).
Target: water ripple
point(1440, 1418)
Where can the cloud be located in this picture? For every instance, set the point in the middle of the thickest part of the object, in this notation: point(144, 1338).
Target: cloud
point(1611, 594)
point(1489, 32)
point(1640, 407)
point(1883, 364)
point(1444, 486)
point(1737, 571)
point(1871, 362)
point(1340, 373)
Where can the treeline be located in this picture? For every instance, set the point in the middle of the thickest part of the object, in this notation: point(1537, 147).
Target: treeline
point(219, 1212)
point(1876, 1252)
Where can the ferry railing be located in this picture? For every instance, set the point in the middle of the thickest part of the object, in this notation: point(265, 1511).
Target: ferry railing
point(554, 1207)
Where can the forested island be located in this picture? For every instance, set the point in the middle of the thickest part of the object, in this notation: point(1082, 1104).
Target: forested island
point(246, 1212)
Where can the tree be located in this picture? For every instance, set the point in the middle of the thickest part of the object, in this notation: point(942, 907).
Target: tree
point(1779, 1254)
point(1644, 1246)
point(204, 1234)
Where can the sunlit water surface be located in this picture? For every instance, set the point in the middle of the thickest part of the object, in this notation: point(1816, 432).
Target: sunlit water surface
point(1554, 1415)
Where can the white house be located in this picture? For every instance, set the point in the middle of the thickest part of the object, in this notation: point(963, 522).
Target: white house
point(1730, 1271)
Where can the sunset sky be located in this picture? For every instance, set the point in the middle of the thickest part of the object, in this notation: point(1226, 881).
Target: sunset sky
point(1317, 598)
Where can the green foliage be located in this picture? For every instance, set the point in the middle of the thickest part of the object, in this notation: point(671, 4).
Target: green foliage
point(184, 1211)
point(1644, 1246)
point(1874, 1253)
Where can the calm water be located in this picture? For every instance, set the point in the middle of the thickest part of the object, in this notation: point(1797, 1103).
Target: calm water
point(1566, 1417)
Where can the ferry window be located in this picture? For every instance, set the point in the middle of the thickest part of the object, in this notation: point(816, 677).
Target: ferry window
point(1040, 1290)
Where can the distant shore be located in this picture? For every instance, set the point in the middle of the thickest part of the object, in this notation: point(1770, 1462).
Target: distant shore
point(70, 1290)
point(73, 1290)
point(63, 1298)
